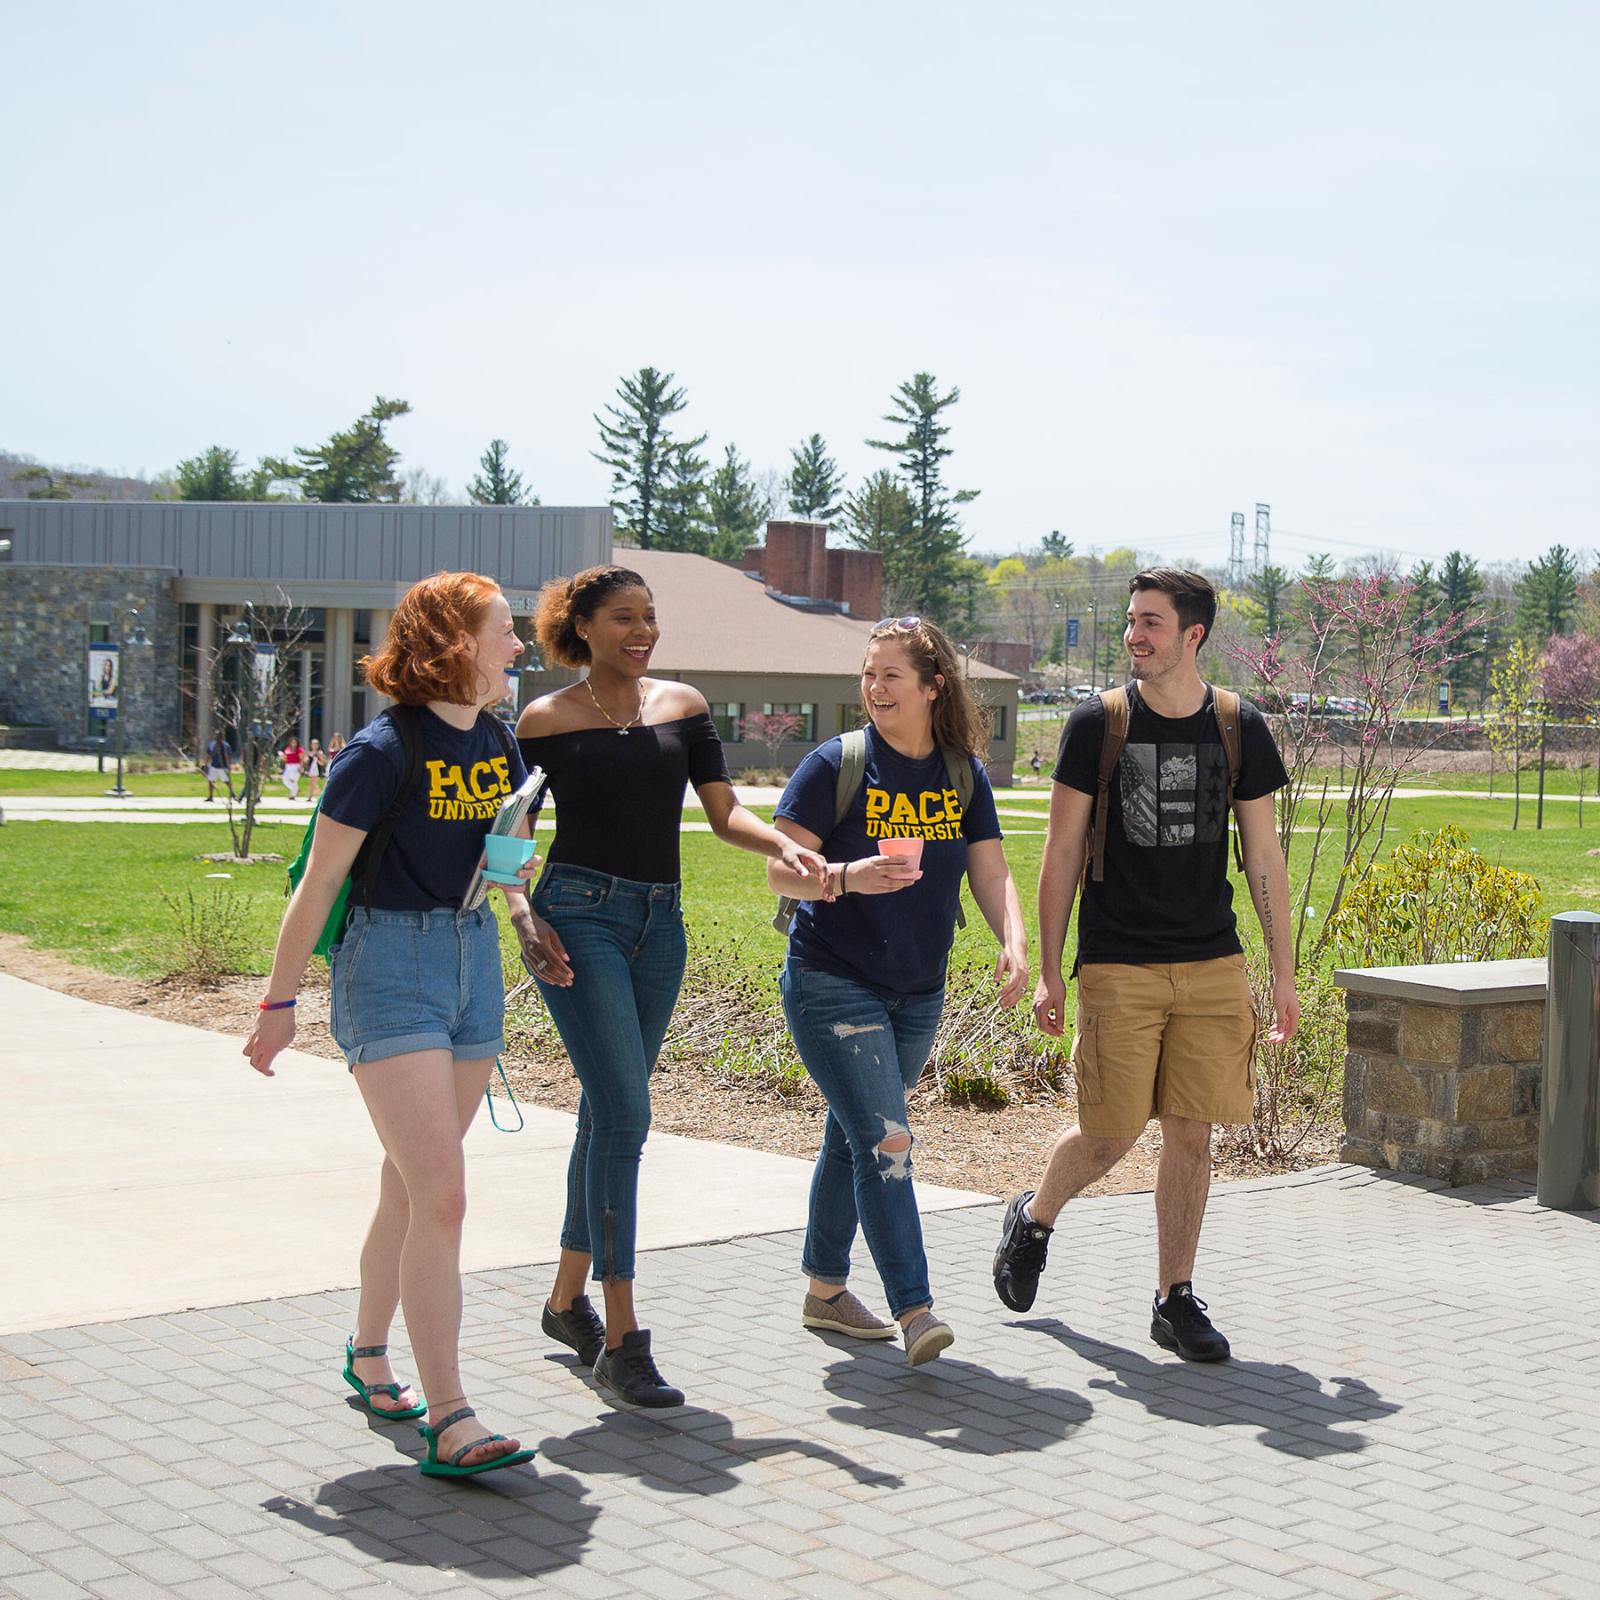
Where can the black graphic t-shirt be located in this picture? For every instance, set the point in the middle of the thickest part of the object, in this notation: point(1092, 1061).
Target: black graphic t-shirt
point(900, 941)
point(1166, 894)
point(437, 841)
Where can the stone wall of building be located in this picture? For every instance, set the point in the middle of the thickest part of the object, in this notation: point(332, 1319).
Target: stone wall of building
point(45, 613)
point(1447, 1087)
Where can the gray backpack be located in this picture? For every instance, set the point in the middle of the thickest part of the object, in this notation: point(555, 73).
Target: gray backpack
point(852, 774)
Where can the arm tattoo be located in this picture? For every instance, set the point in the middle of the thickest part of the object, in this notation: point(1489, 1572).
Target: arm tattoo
point(1266, 912)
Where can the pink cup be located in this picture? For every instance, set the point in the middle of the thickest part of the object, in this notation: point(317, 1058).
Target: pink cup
point(902, 849)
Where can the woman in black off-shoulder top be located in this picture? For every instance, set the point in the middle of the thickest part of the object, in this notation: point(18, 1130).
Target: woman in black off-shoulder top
point(607, 944)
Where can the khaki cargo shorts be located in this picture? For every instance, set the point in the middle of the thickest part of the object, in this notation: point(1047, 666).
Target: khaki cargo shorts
point(1176, 1040)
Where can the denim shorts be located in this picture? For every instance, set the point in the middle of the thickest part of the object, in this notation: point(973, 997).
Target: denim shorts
point(418, 980)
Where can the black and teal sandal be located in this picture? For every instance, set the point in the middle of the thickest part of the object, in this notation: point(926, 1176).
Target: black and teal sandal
point(433, 1467)
point(367, 1390)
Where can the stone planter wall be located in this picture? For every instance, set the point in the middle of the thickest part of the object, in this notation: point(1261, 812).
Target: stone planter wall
point(1443, 1068)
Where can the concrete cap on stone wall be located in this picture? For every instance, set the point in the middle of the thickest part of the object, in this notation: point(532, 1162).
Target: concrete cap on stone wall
point(1451, 983)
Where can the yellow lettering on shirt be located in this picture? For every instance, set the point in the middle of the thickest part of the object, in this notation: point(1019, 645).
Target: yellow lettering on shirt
point(932, 814)
point(473, 796)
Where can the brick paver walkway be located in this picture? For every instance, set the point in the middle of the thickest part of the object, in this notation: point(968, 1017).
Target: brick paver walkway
point(1413, 1412)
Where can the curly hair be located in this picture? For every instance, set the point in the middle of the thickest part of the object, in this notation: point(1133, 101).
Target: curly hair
point(563, 601)
point(960, 725)
point(422, 659)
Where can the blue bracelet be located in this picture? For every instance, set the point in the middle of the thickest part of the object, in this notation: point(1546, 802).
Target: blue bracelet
point(274, 1005)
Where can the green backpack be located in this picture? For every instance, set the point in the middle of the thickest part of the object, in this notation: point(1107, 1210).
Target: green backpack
point(852, 774)
point(406, 721)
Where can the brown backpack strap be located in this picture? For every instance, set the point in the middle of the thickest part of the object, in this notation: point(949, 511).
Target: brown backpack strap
point(1115, 702)
point(1225, 708)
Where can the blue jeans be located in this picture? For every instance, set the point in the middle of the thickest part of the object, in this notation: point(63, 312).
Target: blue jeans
point(626, 946)
point(418, 980)
point(865, 1049)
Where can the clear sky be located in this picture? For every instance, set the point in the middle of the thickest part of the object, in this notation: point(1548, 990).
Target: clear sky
point(1179, 258)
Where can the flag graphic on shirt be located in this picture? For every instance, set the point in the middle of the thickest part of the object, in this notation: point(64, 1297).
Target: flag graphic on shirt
point(1173, 794)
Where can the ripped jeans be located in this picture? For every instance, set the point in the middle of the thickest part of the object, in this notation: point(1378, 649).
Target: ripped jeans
point(864, 1048)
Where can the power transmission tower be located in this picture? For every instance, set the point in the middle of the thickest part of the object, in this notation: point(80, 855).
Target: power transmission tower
point(1263, 535)
point(1235, 578)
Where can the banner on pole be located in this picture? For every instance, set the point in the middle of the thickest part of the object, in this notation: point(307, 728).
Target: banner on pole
point(105, 677)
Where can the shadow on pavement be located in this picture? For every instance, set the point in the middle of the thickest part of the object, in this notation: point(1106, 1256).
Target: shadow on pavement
point(953, 1405)
point(690, 1451)
point(1290, 1406)
point(512, 1524)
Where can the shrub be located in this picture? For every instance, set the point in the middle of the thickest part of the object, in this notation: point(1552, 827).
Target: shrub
point(1297, 1082)
point(214, 938)
point(1438, 899)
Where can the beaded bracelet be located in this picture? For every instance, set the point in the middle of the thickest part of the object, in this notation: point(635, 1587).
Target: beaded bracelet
point(274, 1005)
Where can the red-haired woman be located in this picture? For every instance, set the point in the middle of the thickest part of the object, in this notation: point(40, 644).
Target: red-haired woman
point(619, 749)
point(417, 995)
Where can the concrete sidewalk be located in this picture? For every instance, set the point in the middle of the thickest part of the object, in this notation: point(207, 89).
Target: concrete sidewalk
point(148, 1169)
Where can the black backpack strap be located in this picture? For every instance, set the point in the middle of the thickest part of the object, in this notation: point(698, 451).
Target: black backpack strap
point(407, 722)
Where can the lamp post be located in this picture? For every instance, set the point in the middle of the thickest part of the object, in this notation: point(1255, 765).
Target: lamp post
point(135, 635)
point(1094, 663)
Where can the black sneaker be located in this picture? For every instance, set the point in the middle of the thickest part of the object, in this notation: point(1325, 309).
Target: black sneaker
point(580, 1328)
point(1020, 1258)
point(1180, 1323)
point(629, 1373)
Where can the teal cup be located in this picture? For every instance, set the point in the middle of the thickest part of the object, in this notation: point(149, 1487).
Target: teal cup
point(505, 854)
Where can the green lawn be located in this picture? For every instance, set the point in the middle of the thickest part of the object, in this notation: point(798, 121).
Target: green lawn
point(145, 785)
point(92, 890)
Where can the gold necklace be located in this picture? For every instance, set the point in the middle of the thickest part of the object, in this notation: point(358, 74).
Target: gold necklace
point(621, 727)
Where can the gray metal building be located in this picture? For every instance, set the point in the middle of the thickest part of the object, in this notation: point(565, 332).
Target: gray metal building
point(77, 573)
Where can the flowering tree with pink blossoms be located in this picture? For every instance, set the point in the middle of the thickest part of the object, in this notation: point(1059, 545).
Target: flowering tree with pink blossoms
point(1362, 639)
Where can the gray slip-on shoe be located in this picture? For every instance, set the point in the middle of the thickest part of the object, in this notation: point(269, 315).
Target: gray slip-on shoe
point(925, 1337)
point(844, 1314)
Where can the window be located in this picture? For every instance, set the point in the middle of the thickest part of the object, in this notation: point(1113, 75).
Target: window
point(803, 709)
point(727, 715)
point(999, 729)
point(851, 716)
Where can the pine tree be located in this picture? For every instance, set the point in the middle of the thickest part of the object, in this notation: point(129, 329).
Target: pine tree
point(815, 483)
point(1266, 588)
point(735, 506)
point(1055, 546)
point(1547, 595)
point(656, 480)
point(496, 484)
point(212, 475)
point(357, 466)
point(880, 516)
point(929, 578)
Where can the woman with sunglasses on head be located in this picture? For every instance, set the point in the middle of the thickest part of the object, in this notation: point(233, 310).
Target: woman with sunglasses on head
point(608, 948)
point(417, 994)
point(863, 986)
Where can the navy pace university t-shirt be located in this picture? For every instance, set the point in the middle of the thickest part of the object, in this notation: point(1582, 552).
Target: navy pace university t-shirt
point(901, 941)
point(438, 839)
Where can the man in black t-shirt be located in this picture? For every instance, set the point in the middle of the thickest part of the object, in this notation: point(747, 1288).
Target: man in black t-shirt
point(1166, 1026)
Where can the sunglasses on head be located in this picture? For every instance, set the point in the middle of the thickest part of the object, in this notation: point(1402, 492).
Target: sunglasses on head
point(883, 624)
